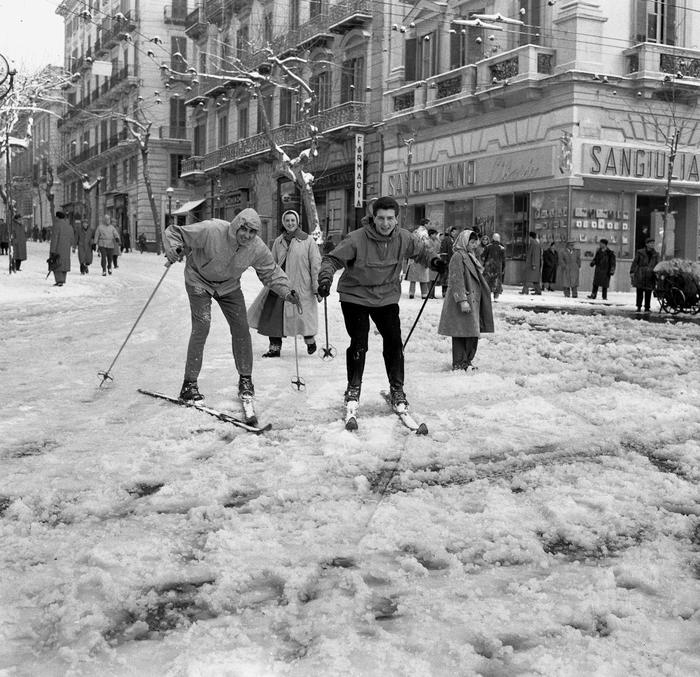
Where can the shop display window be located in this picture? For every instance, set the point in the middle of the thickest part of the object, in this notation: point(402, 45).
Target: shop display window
point(512, 222)
point(459, 214)
point(602, 215)
point(550, 216)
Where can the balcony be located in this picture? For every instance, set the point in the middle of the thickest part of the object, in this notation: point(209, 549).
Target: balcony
point(198, 95)
point(219, 12)
point(526, 63)
point(313, 32)
point(654, 63)
point(174, 15)
point(349, 14)
point(170, 132)
point(196, 24)
point(192, 167)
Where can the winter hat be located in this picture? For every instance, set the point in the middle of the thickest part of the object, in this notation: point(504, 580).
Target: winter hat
point(249, 217)
point(291, 211)
point(60, 215)
point(533, 234)
point(496, 237)
point(603, 241)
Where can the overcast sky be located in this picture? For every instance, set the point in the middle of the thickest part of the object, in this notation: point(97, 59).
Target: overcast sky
point(31, 33)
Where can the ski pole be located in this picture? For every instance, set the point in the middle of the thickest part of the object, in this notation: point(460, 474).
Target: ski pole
point(106, 374)
point(297, 381)
point(329, 352)
point(420, 312)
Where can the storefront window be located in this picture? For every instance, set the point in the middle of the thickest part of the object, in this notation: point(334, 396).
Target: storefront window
point(550, 216)
point(597, 215)
point(485, 214)
point(512, 223)
point(459, 214)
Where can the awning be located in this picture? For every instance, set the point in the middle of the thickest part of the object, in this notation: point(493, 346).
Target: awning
point(187, 207)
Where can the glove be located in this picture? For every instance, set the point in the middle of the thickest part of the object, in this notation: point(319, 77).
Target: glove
point(173, 255)
point(293, 298)
point(465, 307)
point(324, 289)
point(438, 265)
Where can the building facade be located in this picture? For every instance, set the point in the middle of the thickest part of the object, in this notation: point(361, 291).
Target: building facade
point(130, 56)
point(335, 48)
point(558, 118)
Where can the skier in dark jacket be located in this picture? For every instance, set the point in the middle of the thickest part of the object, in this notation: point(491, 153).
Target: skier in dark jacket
point(370, 287)
point(642, 273)
point(604, 263)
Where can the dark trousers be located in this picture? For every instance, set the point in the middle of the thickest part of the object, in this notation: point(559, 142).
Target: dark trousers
point(646, 295)
point(386, 319)
point(603, 292)
point(106, 259)
point(233, 307)
point(463, 350)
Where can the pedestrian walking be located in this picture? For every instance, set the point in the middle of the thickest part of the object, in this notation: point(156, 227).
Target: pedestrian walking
point(117, 249)
point(106, 238)
point(4, 237)
point(218, 253)
point(141, 239)
point(642, 274)
point(604, 263)
point(494, 259)
point(416, 272)
point(299, 257)
point(569, 269)
point(550, 261)
point(84, 234)
point(533, 265)
point(370, 287)
point(19, 242)
point(126, 240)
point(433, 275)
point(62, 241)
point(466, 310)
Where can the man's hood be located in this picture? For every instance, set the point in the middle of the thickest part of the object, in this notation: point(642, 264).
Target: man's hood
point(249, 217)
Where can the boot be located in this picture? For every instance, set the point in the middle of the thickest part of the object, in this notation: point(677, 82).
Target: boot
point(190, 392)
point(352, 393)
point(245, 387)
point(398, 397)
point(311, 348)
point(273, 351)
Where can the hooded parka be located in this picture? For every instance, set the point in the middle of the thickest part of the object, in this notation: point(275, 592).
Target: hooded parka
point(466, 283)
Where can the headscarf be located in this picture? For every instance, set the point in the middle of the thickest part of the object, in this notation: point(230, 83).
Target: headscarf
point(297, 233)
point(421, 233)
point(460, 246)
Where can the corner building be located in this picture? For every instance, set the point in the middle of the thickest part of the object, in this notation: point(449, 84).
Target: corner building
point(562, 124)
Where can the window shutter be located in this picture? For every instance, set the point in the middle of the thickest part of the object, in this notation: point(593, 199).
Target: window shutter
point(456, 48)
point(671, 10)
point(410, 60)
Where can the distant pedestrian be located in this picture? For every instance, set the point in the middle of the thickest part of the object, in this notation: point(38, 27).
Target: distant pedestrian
point(569, 269)
point(107, 239)
point(550, 261)
point(19, 242)
point(126, 240)
point(4, 237)
point(466, 310)
point(446, 244)
point(533, 265)
point(141, 239)
point(642, 273)
point(484, 241)
point(299, 257)
point(494, 258)
point(432, 274)
point(84, 233)
point(117, 249)
point(416, 271)
point(604, 263)
point(62, 241)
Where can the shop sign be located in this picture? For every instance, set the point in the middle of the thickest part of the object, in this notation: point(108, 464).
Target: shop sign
point(450, 176)
point(639, 163)
point(359, 168)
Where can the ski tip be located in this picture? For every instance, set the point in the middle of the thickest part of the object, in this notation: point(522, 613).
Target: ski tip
point(264, 429)
point(422, 429)
point(351, 424)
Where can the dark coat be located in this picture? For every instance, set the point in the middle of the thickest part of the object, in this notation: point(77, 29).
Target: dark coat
point(62, 239)
point(20, 241)
point(604, 264)
point(569, 268)
point(533, 261)
point(642, 270)
point(466, 283)
point(550, 260)
point(495, 266)
point(4, 232)
point(84, 235)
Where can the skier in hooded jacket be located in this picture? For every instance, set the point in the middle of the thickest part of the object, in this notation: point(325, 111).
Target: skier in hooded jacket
point(218, 252)
point(370, 287)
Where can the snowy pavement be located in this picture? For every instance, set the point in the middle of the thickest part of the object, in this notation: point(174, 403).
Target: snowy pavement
point(549, 524)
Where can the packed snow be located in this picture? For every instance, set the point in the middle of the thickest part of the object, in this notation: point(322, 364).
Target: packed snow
point(549, 524)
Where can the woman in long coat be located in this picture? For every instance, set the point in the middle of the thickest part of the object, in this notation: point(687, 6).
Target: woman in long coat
point(569, 269)
point(466, 310)
point(84, 234)
point(19, 242)
point(62, 240)
point(417, 272)
point(298, 255)
point(106, 238)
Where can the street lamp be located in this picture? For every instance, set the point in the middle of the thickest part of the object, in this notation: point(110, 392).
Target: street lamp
point(169, 192)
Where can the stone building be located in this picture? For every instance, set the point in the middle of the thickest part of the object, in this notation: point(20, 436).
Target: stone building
point(130, 55)
point(556, 117)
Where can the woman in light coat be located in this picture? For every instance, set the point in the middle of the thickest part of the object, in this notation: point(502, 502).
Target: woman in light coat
point(417, 272)
point(466, 310)
point(106, 238)
point(298, 255)
point(569, 269)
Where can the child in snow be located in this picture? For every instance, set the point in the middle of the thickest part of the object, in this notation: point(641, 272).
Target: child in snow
point(466, 310)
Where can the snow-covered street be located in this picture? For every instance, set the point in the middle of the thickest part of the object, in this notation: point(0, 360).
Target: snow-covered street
point(548, 525)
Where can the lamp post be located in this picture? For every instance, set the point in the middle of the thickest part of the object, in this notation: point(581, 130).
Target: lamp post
point(169, 192)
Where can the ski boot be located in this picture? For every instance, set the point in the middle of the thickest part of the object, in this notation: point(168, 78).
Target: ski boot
point(399, 403)
point(246, 392)
point(190, 392)
point(352, 403)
